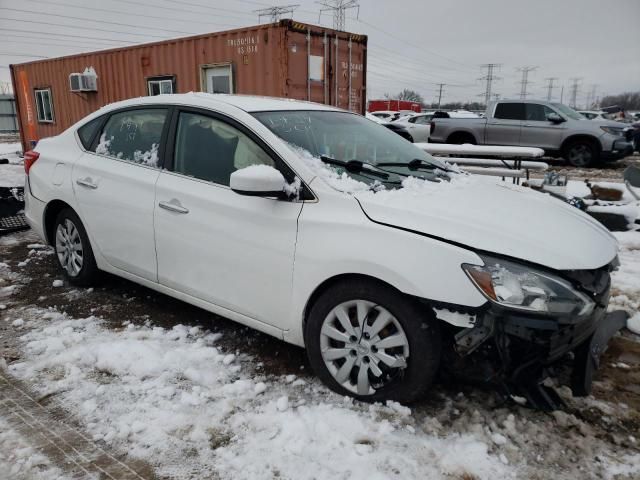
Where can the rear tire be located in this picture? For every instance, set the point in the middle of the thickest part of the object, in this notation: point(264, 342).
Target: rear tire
point(581, 153)
point(398, 349)
point(461, 138)
point(73, 249)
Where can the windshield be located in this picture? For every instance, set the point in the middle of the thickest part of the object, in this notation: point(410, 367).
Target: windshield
point(568, 111)
point(346, 136)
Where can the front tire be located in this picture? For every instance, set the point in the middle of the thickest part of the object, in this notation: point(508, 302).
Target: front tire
point(369, 341)
point(73, 249)
point(581, 153)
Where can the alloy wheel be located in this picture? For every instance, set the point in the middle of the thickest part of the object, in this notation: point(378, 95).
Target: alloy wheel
point(580, 155)
point(69, 247)
point(363, 346)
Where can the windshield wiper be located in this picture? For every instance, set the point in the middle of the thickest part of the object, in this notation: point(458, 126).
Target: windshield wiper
point(416, 164)
point(356, 166)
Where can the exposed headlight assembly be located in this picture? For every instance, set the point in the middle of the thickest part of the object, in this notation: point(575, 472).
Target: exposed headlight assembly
point(618, 132)
point(521, 287)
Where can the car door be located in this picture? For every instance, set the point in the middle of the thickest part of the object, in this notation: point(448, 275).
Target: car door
point(419, 127)
point(231, 250)
point(504, 126)
point(114, 184)
point(537, 131)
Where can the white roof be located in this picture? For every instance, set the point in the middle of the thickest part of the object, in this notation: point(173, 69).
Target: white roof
point(248, 103)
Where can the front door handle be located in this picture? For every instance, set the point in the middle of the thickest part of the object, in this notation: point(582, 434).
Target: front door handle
point(87, 182)
point(173, 205)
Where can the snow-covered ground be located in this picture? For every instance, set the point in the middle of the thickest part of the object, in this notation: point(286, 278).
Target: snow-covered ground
point(11, 174)
point(180, 398)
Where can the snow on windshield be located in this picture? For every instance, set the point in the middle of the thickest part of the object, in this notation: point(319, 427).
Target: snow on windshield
point(412, 185)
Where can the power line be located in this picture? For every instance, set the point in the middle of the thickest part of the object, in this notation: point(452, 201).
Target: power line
point(127, 42)
point(412, 45)
point(184, 10)
point(105, 22)
point(275, 12)
point(339, 8)
point(82, 28)
point(14, 54)
point(550, 86)
point(524, 82)
point(490, 77)
point(112, 11)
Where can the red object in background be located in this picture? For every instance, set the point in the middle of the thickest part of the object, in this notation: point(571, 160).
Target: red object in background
point(30, 158)
point(393, 105)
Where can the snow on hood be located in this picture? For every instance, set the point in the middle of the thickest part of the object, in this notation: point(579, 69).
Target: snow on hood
point(483, 214)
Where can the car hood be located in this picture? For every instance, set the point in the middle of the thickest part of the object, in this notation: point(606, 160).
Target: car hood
point(498, 218)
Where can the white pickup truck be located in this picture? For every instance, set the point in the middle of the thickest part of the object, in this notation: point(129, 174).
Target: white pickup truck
point(554, 127)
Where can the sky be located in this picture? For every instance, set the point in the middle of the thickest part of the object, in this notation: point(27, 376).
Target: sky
point(414, 44)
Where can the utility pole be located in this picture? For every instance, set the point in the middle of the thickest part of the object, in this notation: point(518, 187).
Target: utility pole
point(562, 94)
point(550, 81)
point(575, 82)
point(441, 85)
point(490, 77)
point(525, 80)
point(339, 8)
point(275, 12)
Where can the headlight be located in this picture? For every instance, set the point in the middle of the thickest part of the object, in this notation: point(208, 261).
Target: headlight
point(618, 132)
point(518, 286)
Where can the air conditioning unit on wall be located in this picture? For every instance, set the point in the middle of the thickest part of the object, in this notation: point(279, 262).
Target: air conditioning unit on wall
point(86, 81)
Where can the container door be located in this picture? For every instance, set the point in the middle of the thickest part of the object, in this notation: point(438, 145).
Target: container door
point(219, 79)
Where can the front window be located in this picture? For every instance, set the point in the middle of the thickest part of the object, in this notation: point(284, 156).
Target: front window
point(44, 105)
point(568, 111)
point(344, 137)
point(209, 149)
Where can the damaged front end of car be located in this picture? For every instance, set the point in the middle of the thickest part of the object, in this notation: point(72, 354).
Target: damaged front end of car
point(534, 318)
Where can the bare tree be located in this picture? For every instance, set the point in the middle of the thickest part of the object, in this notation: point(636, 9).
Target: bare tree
point(626, 100)
point(406, 94)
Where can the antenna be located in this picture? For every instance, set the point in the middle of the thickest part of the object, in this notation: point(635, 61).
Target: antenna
point(338, 7)
point(275, 12)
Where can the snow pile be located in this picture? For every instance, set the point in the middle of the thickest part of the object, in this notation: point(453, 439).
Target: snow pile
point(18, 460)
point(625, 291)
point(170, 396)
point(149, 158)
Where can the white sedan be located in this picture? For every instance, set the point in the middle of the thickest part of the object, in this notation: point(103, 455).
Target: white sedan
point(419, 126)
point(328, 231)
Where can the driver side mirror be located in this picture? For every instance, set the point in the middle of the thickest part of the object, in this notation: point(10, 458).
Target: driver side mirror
point(258, 181)
point(555, 118)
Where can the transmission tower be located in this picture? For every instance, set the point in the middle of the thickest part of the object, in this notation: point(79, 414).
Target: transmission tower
point(550, 86)
point(575, 85)
point(339, 8)
point(490, 77)
point(275, 12)
point(524, 82)
point(591, 97)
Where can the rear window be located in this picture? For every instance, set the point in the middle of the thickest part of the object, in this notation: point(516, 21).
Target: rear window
point(510, 111)
point(87, 132)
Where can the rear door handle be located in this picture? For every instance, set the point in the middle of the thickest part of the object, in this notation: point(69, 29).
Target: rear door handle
point(87, 182)
point(173, 206)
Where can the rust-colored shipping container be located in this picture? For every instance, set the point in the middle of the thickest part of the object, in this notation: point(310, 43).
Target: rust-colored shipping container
point(283, 59)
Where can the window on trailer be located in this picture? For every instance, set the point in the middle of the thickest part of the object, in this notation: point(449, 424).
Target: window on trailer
point(160, 85)
point(44, 105)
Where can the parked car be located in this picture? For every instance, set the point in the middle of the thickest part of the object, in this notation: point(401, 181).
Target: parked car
point(594, 114)
point(554, 127)
point(269, 212)
point(395, 127)
point(417, 125)
point(386, 115)
point(634, 132)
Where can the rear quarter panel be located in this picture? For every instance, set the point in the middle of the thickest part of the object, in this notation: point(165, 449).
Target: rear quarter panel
point(444, 127)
